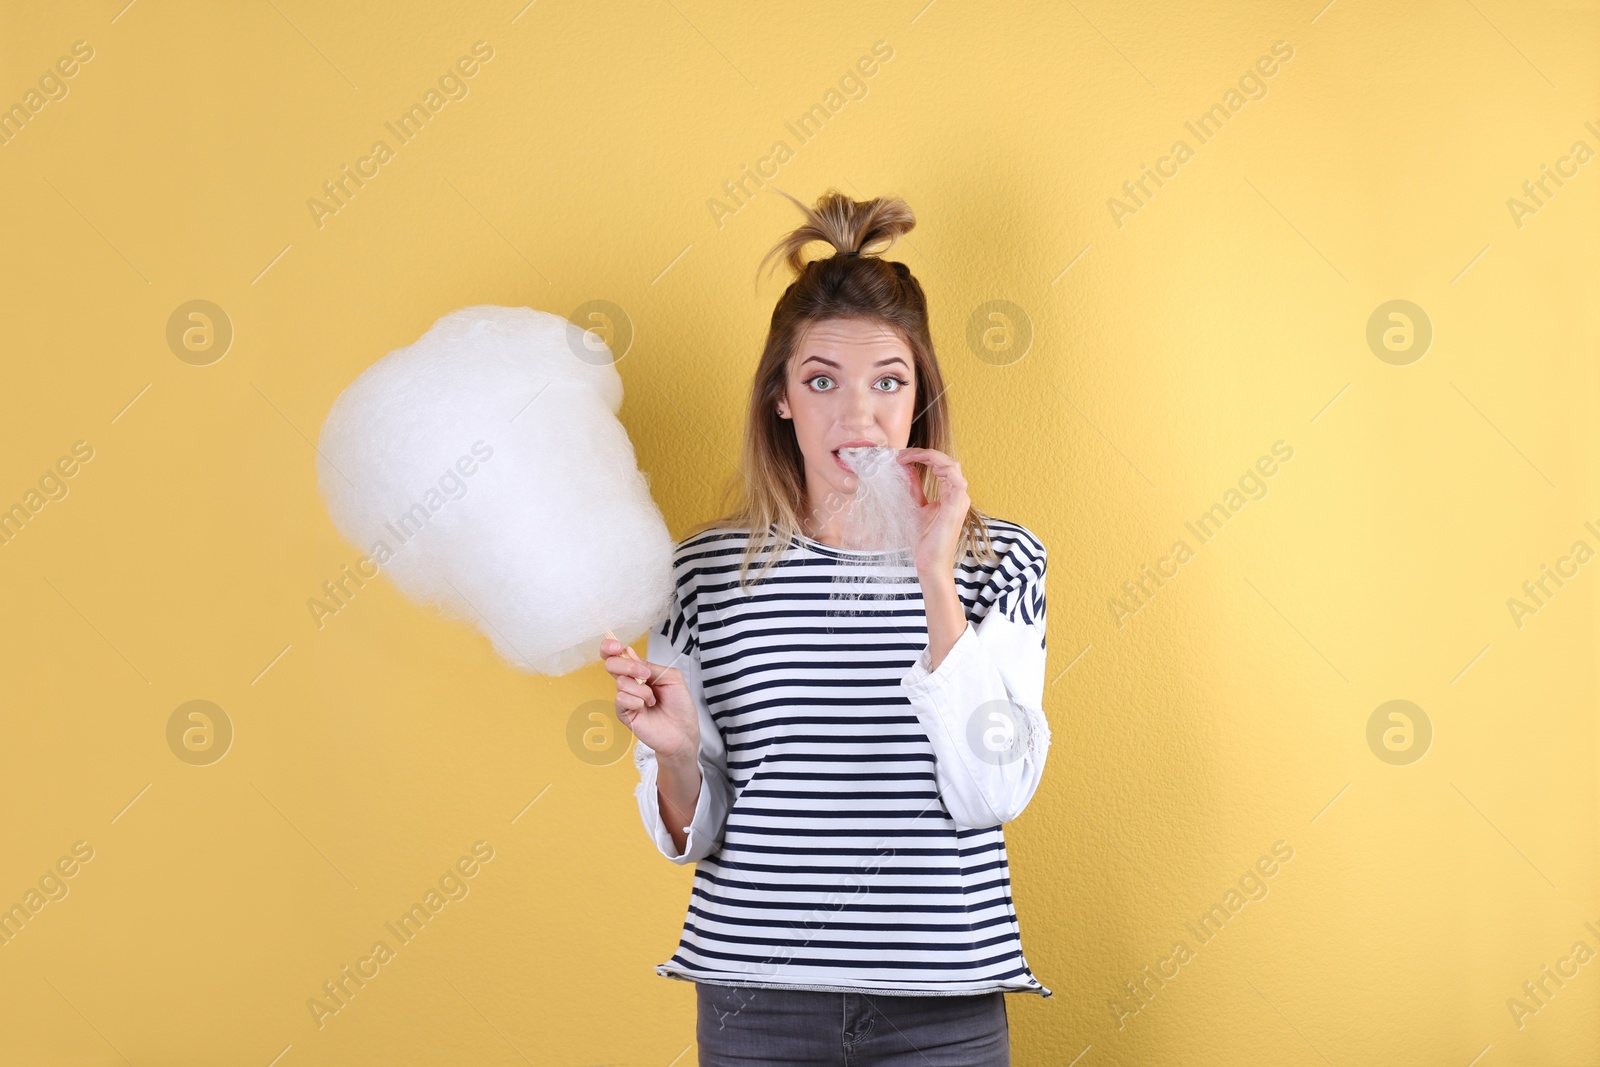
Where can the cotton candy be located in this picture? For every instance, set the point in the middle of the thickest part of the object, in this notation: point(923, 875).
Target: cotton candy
point(881, 519)
point(882, 515)
point(484, 471)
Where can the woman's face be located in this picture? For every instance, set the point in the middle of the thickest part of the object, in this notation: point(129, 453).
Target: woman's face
point(851, 382)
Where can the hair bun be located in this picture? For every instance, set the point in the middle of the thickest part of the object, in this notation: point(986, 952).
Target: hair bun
point(854, 228)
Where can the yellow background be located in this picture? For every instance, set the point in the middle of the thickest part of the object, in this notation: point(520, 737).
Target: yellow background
point(1228, 313)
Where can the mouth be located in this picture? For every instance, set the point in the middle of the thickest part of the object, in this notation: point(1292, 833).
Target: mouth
point(852, 446)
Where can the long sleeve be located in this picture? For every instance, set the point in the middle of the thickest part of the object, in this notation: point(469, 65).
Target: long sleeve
point(983, 709)
point(711, 810)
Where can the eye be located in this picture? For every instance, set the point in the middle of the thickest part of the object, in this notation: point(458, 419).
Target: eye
point(901, 383)
point(815, 378)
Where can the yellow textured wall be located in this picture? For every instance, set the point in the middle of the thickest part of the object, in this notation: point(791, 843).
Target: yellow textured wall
point(1171, 344)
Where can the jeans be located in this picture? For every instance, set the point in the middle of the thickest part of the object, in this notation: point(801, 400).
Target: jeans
point(739, 1026)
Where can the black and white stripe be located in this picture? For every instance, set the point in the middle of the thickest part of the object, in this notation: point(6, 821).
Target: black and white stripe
point(839, 867)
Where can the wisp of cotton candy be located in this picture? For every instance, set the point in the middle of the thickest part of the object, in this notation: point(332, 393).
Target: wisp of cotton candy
point(882, 522)
point(483, 470)
point(882, 515)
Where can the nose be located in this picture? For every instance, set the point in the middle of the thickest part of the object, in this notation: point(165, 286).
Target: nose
point(860, 412)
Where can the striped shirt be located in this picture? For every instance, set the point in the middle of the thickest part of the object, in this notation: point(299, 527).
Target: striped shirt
point(847, 834)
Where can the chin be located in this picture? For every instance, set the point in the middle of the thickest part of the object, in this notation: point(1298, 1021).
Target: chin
point(841, 481)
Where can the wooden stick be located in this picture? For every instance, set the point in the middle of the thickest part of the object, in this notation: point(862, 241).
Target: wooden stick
point(629, 650)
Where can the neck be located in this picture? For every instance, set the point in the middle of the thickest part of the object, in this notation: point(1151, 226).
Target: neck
point(823, 519)
point(829, 532)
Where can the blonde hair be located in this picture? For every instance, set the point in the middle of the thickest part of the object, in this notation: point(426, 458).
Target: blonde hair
point(853, 283)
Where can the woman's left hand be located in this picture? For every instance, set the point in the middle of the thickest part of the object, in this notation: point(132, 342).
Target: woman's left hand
point(942, 519)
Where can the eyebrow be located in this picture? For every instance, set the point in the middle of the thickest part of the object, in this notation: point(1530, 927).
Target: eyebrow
point(835, 366)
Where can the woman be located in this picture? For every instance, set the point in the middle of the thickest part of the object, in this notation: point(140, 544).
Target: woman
point(840, 778)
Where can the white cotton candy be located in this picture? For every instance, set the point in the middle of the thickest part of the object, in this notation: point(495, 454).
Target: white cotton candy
point(882, 515)
point(486, 467)
point(878, 529)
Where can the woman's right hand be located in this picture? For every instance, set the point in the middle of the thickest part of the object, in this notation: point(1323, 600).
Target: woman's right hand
point(659, 710)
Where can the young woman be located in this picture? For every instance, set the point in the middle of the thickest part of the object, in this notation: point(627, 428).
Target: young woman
point(840, 777)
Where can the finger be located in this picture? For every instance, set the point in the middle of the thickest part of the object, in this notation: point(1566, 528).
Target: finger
point(610, 646)
point(637, 669)
point(930, 456)
point(613, 646)
point(946, 470)
point(941, 464)
point(951, 480)
point(650, 669)
point(917, 494)
point(633, 688)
